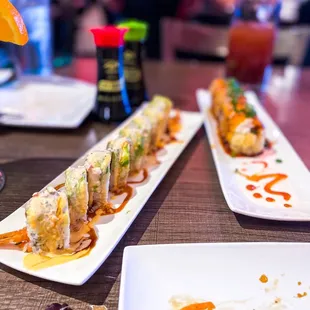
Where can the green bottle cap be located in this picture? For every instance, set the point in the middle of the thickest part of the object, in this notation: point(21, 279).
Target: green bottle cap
point(137, 29)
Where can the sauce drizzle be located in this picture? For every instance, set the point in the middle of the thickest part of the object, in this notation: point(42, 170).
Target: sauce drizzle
point(260, 162)
point(269, 199)
point(200, 306)
point(276, 178)
point(59, 186)
point(250, 187)
point(263, 278)
point(145, 176)
point(286, 205)
point(129, 191)
point(257, 195)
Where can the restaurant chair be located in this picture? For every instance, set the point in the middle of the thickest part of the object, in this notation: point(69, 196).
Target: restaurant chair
point(191, 37)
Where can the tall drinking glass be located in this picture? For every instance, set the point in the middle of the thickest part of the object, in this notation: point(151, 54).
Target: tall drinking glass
point(251, 40)
point(35, 57)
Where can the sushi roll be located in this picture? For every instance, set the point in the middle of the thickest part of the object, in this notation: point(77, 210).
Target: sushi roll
point(158, 111)
point(163, 103)
point(238, 124)
point(98, 171)
point(77, 192)
point(48, 221)
point(120, 165)
point(218, 91)
point(159, 125)
point(145, 125)
point(137, 151)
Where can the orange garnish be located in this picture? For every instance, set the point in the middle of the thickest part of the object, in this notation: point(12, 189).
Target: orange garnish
point(12, 25)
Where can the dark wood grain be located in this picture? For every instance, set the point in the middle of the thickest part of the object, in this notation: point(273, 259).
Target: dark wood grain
point(188, 206)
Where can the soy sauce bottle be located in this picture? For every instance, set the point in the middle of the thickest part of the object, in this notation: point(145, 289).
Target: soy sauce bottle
point(133, 58)
point(112, 102)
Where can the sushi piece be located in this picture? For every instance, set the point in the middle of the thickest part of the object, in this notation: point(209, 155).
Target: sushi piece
point(76, 186)
point(98, 171)
point(145, 125)
point(48, 221)
point(159, 125)
point(158, 111)
point(238, 124)
point(137, 151)
point(120, 165)
point(163, 103)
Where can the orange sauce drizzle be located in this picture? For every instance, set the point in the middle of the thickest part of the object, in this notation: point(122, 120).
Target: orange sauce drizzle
point(250, 187)
point(200, 306)
point(145, 176)
point(304, 294)
point(17, 239)
point(257, 195)
point(174, 123)
point(260, 162)
point(276, 178)
point(269, 199)
point(286, 205)
point(263, 278)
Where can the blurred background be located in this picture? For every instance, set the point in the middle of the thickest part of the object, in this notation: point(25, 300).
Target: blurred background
point(178, 29)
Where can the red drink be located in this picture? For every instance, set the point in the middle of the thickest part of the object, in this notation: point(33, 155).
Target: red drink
point(250, 50)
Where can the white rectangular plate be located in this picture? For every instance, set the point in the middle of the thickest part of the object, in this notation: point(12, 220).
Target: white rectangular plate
point(241, 200)
point(49, 102)
point(226, 274)
point(110, 228)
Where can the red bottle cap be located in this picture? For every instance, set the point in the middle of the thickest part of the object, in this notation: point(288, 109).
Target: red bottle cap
point(109, 36)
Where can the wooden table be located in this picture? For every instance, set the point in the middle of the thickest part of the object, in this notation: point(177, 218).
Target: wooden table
point(188, 206)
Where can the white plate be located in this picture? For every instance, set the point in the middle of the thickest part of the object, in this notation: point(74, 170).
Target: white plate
point(233, 185)
point(111, 228)
point(226, 274)
point(53, 102)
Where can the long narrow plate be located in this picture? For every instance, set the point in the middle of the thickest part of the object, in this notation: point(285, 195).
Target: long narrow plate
point(281, 159)
point(110, 228)
point(227, 274)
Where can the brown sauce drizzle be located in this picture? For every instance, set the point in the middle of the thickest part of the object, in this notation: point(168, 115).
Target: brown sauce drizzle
point(145, 176)
point(304, 294)
point(129, 191)
point(59, 186)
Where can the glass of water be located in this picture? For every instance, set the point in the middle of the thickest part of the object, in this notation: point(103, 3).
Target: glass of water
point(35, 58)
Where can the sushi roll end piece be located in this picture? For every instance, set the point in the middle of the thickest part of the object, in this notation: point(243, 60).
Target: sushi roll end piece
point(77, 192)
point(238, 124)
point(120, 165)
point(98, 170)
point(48, 221)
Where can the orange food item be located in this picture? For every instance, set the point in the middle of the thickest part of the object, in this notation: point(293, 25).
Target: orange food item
point(200, 306)
point(12, 25)
point(263, 279)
